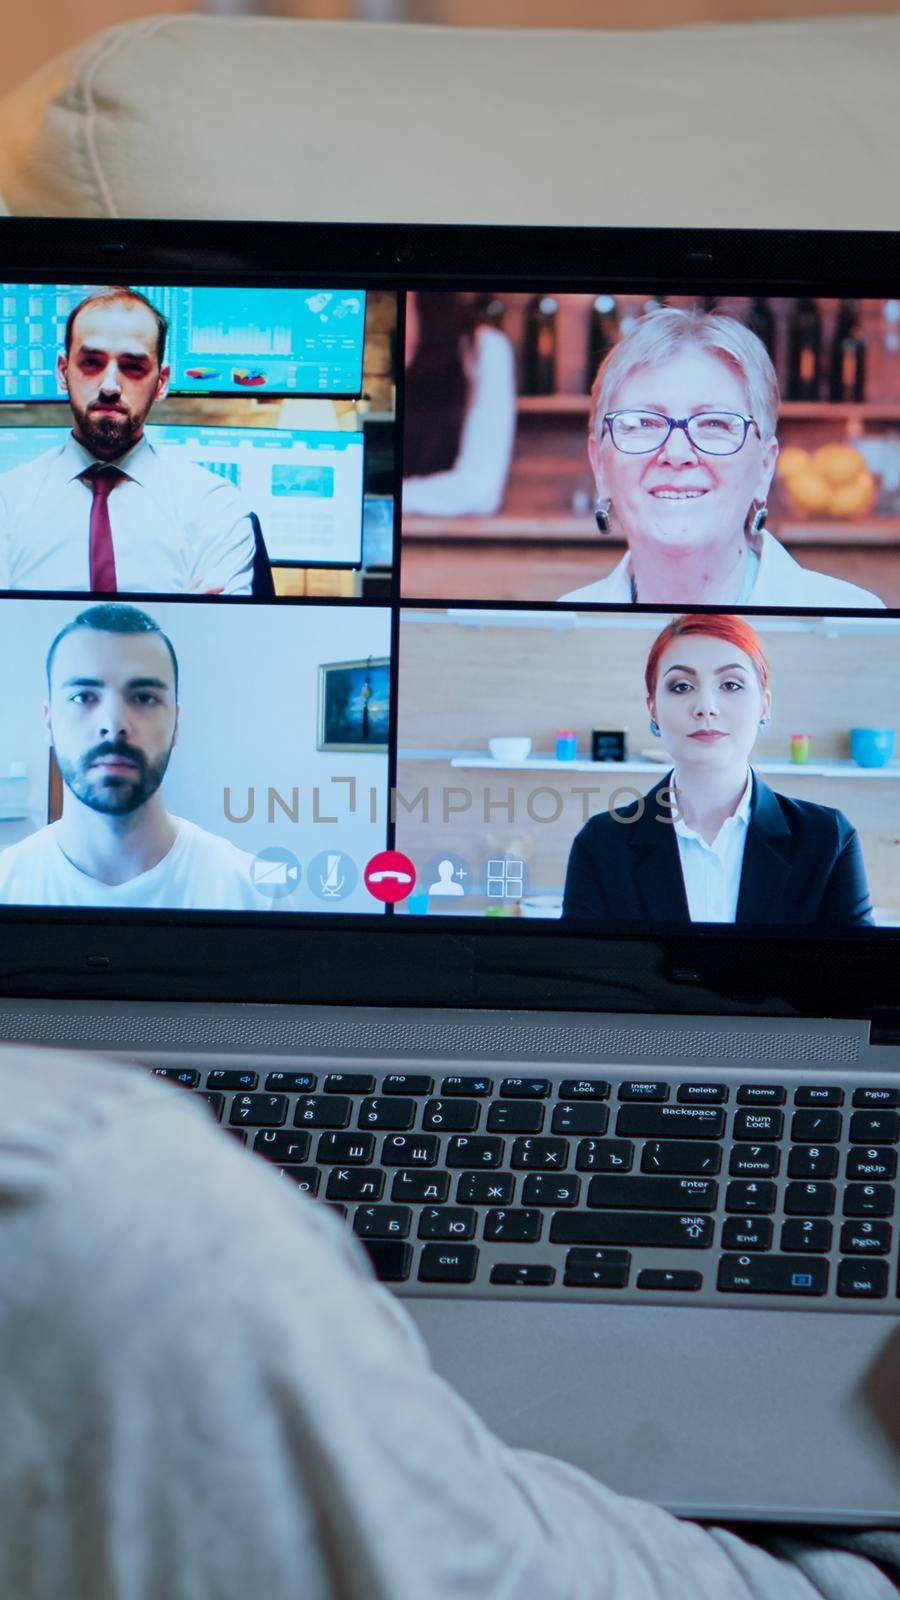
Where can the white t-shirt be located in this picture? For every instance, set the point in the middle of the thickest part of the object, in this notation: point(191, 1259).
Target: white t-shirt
point(176, 527)
point(474, 485)
point(201, 872)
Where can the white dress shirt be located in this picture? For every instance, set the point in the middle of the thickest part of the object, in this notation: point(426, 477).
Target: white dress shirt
point(176, 528)
point(780, 581)
point(712, 872)
point(201, 872)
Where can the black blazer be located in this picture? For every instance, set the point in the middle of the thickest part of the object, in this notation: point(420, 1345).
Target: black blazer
point(802, 865)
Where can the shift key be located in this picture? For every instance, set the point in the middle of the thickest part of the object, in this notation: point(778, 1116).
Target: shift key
point(665, 1230)
point(671, 1122)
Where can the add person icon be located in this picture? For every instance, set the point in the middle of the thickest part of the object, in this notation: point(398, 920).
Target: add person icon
point(446, 882)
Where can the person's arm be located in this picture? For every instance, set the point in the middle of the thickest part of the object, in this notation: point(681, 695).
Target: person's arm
point(474, 485)
point(845, 897)
point(223, 560)
point(584, 894)
point(215, 1397)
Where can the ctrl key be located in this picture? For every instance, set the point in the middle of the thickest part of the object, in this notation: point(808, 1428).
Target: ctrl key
point(773, 1275)
point(441, 1263)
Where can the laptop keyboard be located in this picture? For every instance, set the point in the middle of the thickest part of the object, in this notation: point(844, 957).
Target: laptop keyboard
point(666, 1188)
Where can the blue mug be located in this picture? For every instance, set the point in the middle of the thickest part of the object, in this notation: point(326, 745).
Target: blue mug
point(871, 747)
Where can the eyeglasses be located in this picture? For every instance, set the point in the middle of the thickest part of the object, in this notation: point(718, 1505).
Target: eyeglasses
point(714, 433)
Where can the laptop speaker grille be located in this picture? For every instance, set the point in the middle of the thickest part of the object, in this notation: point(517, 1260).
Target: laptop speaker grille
point(475, 1037)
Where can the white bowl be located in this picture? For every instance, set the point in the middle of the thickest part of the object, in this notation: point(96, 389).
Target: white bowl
point(510, 750)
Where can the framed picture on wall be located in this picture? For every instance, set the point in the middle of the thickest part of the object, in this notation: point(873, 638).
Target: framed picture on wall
point(354, 699)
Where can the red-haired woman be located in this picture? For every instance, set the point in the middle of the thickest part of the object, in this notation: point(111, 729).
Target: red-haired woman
point(712, 842)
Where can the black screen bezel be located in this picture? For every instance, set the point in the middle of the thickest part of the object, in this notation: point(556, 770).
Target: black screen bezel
point(372, 960)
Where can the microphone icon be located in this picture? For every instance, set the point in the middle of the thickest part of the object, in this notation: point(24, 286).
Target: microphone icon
point(332, 879)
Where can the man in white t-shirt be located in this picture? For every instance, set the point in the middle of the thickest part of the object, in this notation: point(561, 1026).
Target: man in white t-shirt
point(111, 719)
point(106, 511)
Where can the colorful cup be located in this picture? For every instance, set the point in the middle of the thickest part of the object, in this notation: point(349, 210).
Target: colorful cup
point(871, 747)
point(801, 745)
point(566, 744)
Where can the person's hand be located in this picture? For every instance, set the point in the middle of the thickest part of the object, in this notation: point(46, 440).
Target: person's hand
point(881, 1388)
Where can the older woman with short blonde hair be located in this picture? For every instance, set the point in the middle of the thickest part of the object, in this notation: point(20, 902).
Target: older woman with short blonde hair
point(682, 444)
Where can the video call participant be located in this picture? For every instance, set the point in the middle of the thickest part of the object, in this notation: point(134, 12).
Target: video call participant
point(111, 720)
point(682, 446)
point(106, 511)
point(737, 852)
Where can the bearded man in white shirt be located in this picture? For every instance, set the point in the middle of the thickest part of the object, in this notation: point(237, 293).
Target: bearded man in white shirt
point(111, 719)
point(106, 511)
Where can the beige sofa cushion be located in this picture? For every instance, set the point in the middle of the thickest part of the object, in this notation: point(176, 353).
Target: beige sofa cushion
point(786, 124)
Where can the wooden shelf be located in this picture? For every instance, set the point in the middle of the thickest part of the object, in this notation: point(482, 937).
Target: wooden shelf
point(566, 405)
point(568, 529)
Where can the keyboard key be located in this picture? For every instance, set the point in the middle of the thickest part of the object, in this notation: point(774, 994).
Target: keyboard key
point(188, 1077)
point(584, 1089)
point(809, 1199)
point(772, 1275)
point(418, 1188)
point(516, 1116)
point(355, 1183)
point(468, 1086)
point(868, 1200)
point(322, 1111)
point(670, 1155)
point(382, 1222)
point(643, 1091)
point(816, 1127)
point(604, 1155)
point(866, 1238)
point(286, 1148)
point(345, 1148)
point(659, 1278)
point(549, 1154)
point(800, 1235)
point(222, 1079)
point(525, 1088)
point(447, 1222)
point(519, 1227)
point(214, 1101)
point(818, 1094)
point(758, 1125)
point(698, 1094)
point(542, 1189)
point(488, 1188)
point(876, 1097)
point(863, 1280)
point(391, 1258)
point(306, 1179)
point(597, 1269)
point(751, 1196)
point(662, 1229)
point(761, 1094)
point(579, 1117)
point(874, 1127)
point(754, 1161)
point(474, 1150)
point(410, 1150)
point(872, 1163)
point(349, 1083)
point(653, 1194)
point(451, 1116)
point(445, 1263)
point(813, 1161)
point(384, 1113)
point(258, 1110)
point(291, 1082)
point(407, 1083)
point(747, 1233)
point(524, 1275)
point(671, 1122)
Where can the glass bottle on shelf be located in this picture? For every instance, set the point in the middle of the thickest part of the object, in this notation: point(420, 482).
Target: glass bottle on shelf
point(539, 349)
point(603, 331)
point(760, 319)
point(804, 350)
point(847, 360)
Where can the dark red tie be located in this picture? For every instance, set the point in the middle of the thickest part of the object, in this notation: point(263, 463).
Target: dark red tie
point(102, 480)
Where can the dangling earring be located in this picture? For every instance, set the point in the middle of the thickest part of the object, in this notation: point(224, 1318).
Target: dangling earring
point(764, 722)
point(601, 515)
point(759, 519)
point(654, 728)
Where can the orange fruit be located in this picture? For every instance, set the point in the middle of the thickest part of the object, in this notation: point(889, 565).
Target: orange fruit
point(809, 491)
point(790, 460)
point(838, 463)
point(854, 499)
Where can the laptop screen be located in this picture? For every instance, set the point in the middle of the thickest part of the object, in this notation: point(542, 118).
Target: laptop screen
point(619, 651)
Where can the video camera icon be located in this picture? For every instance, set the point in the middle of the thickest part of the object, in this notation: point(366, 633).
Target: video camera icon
point(275, 872)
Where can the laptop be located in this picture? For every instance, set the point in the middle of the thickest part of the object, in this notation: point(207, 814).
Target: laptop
point(535, 907)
